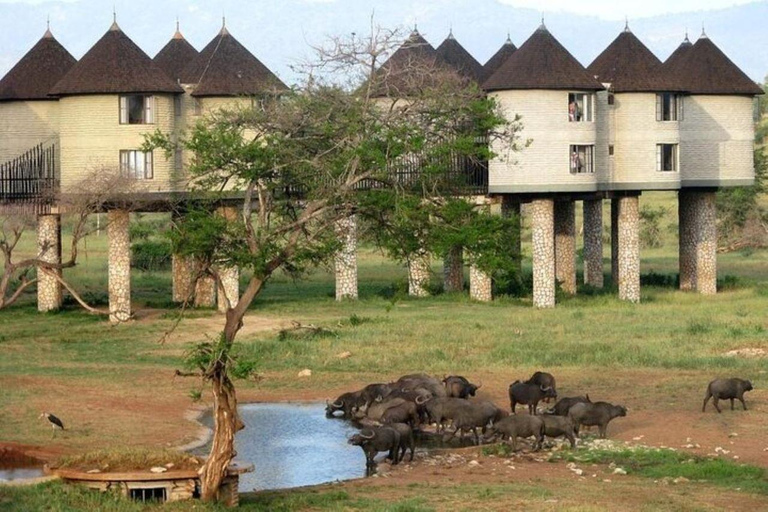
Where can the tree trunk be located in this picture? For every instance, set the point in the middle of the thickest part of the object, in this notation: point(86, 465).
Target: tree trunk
point(227, 424)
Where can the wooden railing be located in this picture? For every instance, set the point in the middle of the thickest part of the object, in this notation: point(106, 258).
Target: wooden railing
point(30, 181)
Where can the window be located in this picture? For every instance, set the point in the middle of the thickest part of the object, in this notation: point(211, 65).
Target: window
point(666, 157)
point(177, 105)
point(611, 98)
point(610, 150)
point(137, 164)
point(582, 159)
point(669, 107)
point(156, 495)
point(580, 107)
point(137, 109)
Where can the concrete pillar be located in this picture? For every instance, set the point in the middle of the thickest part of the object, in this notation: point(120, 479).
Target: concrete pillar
point(697, 217)
point(229, 289)
point(593, 243)
point(629, 248)
point(510, 208)
point(49, 250)
point(480, 285)
point(565, 245)
point(346, 259)
point(418, 275)
point(543, 242)
point(615, 242)
point(205, 292)
point(182, 268)
point(119, 265)
point(453, 270)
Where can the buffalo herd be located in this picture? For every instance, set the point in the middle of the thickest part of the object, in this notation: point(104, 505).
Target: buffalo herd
point(389, 415)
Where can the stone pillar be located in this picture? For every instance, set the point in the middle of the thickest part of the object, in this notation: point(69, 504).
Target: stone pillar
point(183, 276)
point(615, 242)
point(480, 285)
point(565, 245)
point(49, 250)
point(629, 248)
point(346, 259)
point(205, 292)
point(418, 275)
point(593, 243)
point(118, 222)
point(543, 241)
point(510, 208)
point(229, 289)
point(697, 216)
point(686, 217)
point(453, 270)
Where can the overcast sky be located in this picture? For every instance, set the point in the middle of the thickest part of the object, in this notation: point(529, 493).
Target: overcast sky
point(605, 9)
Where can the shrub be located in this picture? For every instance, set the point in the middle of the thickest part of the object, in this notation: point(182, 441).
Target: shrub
point(151, 256)
point(650, 226)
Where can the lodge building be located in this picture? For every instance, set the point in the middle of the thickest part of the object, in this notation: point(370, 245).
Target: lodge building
point(625, 124)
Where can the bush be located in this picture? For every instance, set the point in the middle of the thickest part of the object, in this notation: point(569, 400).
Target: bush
point(151, 256)
point(650, 226)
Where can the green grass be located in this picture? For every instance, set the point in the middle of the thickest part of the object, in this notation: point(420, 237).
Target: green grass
point(659, 463)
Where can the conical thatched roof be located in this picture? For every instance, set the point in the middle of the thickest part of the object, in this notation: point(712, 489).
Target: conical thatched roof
point(453, 54)
point(176, 55)
point(115, 65)
point(495, 62)
point(629, 66)
point(542, 63)
point(678, 55)
point(409, 69)
point(226, 68)
point(705, 69)
point(37, 71)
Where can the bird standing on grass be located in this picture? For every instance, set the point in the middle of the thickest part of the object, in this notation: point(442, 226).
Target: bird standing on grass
point(54, 421)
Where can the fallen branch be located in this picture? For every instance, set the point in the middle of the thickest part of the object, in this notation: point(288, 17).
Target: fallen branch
point(310, 328)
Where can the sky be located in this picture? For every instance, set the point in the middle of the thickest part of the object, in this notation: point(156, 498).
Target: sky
point(280, 32)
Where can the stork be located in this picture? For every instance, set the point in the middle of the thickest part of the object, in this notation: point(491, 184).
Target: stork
point(54, 421)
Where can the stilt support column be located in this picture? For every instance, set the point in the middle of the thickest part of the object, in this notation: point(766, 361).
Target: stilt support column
point(565, 245)
point(346, 259)
point(119, 266)
point(183, 268)
point(629, 248)
point(510, 208)
point(453, 270)
point(593, 243)
point(480, 285)
point(697, 216)
point(49, 250)
point(418, 275)
point(543, 241)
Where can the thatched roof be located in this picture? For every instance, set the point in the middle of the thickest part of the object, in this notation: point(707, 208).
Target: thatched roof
point(37, 71)
point(453, 54)
point(678, 55)
point(409, 69)
point(705, 69)
point(542, 63)
point(176, 55)
point(629, 66)
point(115, 65)
point(495, 62)
point(226, 68)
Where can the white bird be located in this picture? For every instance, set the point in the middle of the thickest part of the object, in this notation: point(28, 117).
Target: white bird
point(54, 421)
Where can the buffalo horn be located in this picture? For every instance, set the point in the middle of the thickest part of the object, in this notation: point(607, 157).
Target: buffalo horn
point(373, 434)
point(340, 403)
point(421, 402)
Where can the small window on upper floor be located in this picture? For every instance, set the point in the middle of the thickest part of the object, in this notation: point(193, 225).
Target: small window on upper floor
point(580, 107)
point(610, 150)
point(611, 99)
point(137, 109)
point(177, 105)
point(667, 157)
point(669, 107)
point(137, 164)
point(582, 159)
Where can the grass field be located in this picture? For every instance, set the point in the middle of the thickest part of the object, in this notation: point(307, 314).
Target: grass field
point(114, 386)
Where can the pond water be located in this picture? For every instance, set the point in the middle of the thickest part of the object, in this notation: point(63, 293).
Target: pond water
point(9, 474)
point(293, 445)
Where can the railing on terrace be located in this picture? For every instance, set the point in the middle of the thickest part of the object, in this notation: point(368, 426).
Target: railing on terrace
point(30, 181)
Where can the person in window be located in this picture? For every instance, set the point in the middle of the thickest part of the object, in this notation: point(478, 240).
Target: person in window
point(573, 109)
point(575, 162)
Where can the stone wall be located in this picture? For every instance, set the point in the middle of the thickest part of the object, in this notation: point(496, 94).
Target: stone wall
point(629, 248)
point(453, 270)
point(119, 266)
point(565, 245)
point(49, 249)
point(593, 243)
point(543, 242)
point(345, 262)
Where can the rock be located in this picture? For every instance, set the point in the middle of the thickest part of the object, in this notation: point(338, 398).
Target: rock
point(578, 471)
point(680, 480)
point(170, 465)
point(345, 355)
point(638, 438)
point(93, 471)
point(305, 373)
point(733, 434)
point(606, 480)
point(619, 471)
point(736, 457)
point(159, 469)
point(473, 464)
